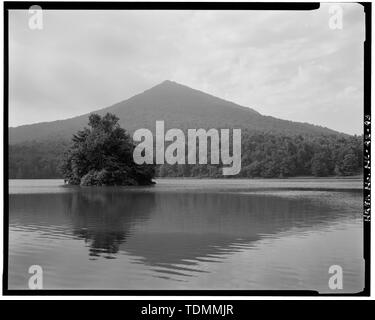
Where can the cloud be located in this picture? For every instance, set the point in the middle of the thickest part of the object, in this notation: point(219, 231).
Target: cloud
point(287, 64)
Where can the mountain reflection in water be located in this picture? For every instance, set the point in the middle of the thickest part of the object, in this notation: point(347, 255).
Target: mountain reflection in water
point(177, 234)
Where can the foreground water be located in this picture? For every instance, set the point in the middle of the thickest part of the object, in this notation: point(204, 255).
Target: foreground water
point(188, 234)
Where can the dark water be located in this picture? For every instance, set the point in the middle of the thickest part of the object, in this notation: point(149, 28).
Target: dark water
point(188, 234)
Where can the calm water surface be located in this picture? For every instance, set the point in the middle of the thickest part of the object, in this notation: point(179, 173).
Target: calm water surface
point(188, 234)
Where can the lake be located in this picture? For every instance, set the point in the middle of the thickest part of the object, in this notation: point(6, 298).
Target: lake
point(188, 234)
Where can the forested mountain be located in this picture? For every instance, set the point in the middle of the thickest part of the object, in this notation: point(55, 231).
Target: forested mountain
point(179, 106)
point(270, 147)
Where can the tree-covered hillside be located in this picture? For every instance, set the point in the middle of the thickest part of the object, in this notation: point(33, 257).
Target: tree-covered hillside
point(36, 160)
point(179, 107)
point(264, 155)
point(271, 147)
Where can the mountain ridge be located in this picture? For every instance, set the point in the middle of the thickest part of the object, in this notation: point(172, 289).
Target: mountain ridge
point(179, 106)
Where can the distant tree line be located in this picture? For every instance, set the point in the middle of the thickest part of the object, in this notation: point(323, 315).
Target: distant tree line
point(266, 155)
point(36, 160)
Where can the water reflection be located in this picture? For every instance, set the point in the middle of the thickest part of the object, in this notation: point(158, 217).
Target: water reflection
point(172, 232)
point(194, 227)
point(105, 219)
point(167, 228)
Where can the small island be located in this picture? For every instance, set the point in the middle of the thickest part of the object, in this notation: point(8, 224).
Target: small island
point(102, 155)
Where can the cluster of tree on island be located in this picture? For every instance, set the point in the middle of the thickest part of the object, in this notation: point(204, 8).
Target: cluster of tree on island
point(102, 154)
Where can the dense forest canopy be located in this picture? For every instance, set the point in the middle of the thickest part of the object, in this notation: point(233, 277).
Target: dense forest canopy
point(280, 156)
point(102, 154)
point(266, 155)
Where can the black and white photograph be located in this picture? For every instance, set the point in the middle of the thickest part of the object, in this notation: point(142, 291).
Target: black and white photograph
point(186, 148)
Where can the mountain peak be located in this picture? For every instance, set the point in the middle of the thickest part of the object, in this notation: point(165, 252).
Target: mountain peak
point(178, 105)
point(168, 84)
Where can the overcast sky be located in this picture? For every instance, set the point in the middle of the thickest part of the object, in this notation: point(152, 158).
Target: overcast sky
point(287, 64)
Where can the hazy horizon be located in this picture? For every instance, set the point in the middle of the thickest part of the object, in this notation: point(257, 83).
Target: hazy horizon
point(289, 65)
